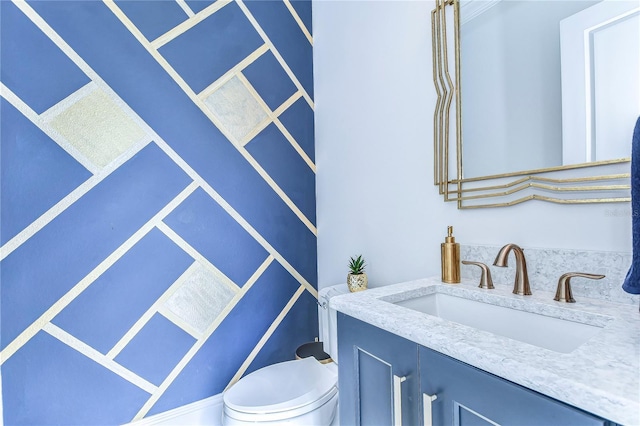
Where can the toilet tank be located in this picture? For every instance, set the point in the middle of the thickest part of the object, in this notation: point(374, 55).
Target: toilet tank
point(327, 319)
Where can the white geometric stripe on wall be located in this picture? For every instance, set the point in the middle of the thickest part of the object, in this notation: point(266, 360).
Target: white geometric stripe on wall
point(98, 127)
point(272, 328)
point(194, 19)
point(96, 356)
point(203, 295)
point(186, 8)
point(236, 108)
point(299, 21)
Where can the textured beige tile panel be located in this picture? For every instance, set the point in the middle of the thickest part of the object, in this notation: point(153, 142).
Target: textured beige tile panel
point(236, 108)
point(98, 128)
point(201, 298)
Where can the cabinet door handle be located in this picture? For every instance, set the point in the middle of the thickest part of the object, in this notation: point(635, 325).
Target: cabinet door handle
point(426, 403)
point(397, 399)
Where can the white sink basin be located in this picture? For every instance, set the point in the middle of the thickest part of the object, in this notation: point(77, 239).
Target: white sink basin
point(556, 334)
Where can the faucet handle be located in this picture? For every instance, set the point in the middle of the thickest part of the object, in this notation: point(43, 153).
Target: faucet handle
point(563, 293)
point(485, 277)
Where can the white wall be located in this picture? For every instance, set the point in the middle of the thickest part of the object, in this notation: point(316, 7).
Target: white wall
point(374, 150)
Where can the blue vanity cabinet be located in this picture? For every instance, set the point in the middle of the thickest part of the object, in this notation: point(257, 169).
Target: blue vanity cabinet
point(465, 396)
point(385, 379)
point(378, 376)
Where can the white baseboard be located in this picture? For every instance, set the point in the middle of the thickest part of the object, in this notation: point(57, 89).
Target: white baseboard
point(206, 412)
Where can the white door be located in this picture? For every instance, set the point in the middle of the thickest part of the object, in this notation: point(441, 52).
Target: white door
point(600, 60)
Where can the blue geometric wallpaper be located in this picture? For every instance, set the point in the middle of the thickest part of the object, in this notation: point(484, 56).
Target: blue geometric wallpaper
point(157, 202)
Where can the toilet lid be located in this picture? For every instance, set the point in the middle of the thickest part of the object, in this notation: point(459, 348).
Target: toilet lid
point(281, 387)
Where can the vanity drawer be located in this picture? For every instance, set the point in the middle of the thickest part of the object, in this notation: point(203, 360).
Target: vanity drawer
point(466, 395)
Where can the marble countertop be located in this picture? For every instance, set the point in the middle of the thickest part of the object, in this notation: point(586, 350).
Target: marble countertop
point(601, 376)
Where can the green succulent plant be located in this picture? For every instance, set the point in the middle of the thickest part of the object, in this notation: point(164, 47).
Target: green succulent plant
point(356, 266)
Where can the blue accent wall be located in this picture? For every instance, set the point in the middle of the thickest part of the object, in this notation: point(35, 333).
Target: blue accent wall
point(151, 252)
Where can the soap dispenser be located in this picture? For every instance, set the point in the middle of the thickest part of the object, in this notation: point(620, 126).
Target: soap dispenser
point(450, 256)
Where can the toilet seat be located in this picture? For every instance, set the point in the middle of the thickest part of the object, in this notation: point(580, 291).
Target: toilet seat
point(281, 391)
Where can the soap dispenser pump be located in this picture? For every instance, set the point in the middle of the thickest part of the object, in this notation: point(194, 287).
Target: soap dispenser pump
point(450, 256)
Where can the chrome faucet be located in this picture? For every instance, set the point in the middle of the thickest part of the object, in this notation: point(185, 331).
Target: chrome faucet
point(521, 283)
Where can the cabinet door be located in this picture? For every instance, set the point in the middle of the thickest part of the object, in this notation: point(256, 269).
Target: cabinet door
point(378, 376)
point(467, 396)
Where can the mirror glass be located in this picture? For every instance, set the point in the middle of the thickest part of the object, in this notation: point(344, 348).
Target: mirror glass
point(547, 83)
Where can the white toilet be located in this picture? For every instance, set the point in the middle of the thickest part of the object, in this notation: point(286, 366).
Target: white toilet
point(298, 392)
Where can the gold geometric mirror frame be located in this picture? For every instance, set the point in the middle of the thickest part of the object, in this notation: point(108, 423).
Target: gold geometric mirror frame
point(595, 182)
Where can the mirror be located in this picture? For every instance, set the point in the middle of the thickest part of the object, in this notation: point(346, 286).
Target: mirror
point(544, 87)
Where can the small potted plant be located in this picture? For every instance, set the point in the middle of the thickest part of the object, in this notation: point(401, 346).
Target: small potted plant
point(357, 279)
